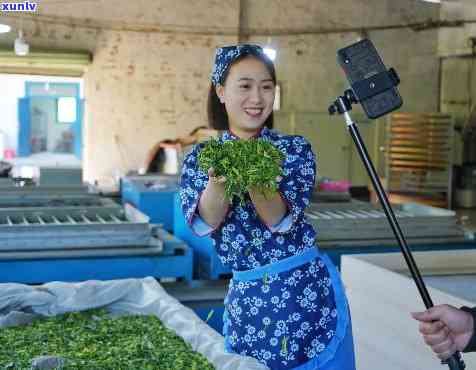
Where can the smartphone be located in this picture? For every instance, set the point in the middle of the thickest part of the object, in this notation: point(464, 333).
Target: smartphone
point(361, 61)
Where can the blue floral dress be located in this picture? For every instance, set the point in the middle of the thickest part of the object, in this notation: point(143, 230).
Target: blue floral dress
point(285, 305)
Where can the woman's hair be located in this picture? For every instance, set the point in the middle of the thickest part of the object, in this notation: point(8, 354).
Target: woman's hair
point(217, 116)
point(196, 129)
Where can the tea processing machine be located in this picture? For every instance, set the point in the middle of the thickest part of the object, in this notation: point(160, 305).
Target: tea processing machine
point(40, 244)
point(350, 228)
point(360, 227)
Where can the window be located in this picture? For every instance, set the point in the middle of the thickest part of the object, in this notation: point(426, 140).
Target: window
point(66, 110)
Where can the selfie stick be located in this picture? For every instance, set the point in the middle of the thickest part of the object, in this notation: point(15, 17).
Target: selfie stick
point(342, 105)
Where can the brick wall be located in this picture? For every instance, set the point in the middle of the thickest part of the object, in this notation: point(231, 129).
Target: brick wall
point(149, 77)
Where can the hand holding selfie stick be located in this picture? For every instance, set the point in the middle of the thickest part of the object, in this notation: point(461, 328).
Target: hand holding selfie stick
point(378, 96)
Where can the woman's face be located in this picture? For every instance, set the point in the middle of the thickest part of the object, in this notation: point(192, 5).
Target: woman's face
point(248, 96)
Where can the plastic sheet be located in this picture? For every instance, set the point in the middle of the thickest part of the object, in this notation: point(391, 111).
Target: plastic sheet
point(21, 304)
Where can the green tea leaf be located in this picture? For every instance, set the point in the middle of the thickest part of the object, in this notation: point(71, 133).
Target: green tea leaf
point(93, 340)
point(210, 314)
point(246, 164)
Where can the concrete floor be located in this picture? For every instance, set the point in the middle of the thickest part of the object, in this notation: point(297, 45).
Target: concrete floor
point(458, 285)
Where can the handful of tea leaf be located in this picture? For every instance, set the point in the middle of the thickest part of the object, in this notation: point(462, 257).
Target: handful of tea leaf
point(246, 164)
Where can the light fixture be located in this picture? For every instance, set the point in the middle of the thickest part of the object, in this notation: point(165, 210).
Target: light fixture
point(4, 28)
point(270, 52)
point(21, 47)
point(433, 1)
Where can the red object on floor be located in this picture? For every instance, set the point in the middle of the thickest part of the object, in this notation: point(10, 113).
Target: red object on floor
point(338, 186)
point(9, 154)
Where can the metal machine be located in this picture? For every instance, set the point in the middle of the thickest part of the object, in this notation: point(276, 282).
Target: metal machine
point(51, 196)
point(79, 243)
point(360, 227)
point(348, 228)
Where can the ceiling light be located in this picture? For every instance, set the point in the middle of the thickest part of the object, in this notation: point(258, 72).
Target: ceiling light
point(4, 28)
point(433, 1)
point(271, 53)
point(21, 47)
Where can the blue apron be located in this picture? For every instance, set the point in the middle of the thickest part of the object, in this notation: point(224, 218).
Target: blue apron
point(303, 328)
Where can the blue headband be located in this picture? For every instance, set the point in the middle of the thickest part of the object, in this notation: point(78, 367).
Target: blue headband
point(226, 55)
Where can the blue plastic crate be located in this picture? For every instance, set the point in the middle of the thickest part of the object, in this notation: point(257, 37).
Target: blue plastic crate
point(152, 195)
point(206, 262)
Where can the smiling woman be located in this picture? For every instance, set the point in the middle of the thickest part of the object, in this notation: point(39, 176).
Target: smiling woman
point(285, 304)
point(255, 84)
point(248, 96)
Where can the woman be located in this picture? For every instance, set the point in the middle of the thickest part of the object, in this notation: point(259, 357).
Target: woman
point(285, 305)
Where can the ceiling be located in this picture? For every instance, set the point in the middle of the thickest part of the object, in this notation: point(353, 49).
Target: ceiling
point(198, 14)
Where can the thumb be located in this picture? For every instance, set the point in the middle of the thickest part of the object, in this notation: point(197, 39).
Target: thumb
point(432, 314)
point(211, 172)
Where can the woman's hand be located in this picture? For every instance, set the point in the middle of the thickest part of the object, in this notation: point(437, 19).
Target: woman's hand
point(216, 184)
point(216, 180)
point(271, 208)
point(256, 192)
point(213, 206)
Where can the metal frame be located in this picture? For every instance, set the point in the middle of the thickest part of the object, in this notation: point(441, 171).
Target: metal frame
point(410, 136)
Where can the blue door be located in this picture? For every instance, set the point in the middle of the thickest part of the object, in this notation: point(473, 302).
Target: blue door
point(77, 128)
point(41, 129)
point(24, 130)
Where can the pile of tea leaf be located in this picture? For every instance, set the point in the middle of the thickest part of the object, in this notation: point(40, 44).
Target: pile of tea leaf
point(91, 340)
point(246, 164)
